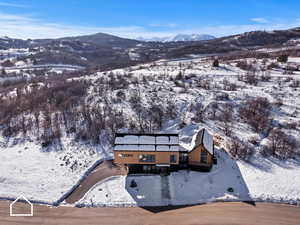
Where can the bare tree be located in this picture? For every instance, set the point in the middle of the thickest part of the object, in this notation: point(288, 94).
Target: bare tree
point(240, 149)
point(281, 145)
point(256, 112)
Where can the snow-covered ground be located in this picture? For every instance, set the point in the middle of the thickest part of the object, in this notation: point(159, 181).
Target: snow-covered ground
point(40, 174)
point(260, 179)
point(43, 176)
point(268, 180)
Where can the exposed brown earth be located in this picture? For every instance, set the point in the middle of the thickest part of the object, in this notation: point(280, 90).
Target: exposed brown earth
point(104, 170)
point(209, 214)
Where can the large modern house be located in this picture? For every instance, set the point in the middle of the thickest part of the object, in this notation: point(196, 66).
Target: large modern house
point(156, 153)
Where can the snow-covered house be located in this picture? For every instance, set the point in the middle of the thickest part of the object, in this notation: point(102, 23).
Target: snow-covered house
point(162, 153)
point(147, 152)
point(202, 154)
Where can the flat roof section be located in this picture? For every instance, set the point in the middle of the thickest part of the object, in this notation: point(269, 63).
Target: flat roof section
point(146, 142)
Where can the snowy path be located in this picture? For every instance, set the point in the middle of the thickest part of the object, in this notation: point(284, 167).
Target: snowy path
point(102, 171)
point(165, 189)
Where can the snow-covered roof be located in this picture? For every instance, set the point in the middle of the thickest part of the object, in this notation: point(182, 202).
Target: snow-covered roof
point(147, 139)
point(163, 148)
point(203, 137)
point(208, 142)
point(146, 142)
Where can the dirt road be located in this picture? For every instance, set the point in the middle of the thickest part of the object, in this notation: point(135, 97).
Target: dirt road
point(104, 170)
point(209, 214)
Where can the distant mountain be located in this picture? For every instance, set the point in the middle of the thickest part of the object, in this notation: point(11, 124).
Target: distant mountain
point(180, 37)
point(6, 42)
point(241, 42)
point(106, 51)
point(102, 39)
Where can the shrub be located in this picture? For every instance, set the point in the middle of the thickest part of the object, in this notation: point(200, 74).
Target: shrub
point(265, 76)
point(133, 184)
point(204, 83)
point(281, 145)
point(215, 63)
point(228, 86)
point(244, 65)
point(256, 112)
point(226, 114)
point(250, 78)
point(179, 76)
point(171, 109)
point(254, 140)
point(283, 58)
point(272, 65)
point(199, 110)
point(179, 83)
point(7, 63)
point(230, 189)
point(240, 150)
point(295, 84)
point(291, 125)
point(288, 79)
point(221, 96)
point(121, 95)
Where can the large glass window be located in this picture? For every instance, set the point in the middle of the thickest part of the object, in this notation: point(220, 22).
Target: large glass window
point(203, 157)
point(147, 158)
point(173, 158)
point(125, 155)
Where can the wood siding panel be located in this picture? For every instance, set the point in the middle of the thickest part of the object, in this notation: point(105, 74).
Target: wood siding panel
point(160, 157)
point(194, 156)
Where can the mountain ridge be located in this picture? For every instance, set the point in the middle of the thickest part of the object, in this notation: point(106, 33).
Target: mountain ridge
point(105, 51)
point(179, 37)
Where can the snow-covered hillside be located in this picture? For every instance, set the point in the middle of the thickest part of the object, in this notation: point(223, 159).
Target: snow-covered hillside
point(188, 82)
point(180, 37)
point(181, 95)
point(44, 174)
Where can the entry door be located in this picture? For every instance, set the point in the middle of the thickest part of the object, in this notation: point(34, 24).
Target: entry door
point(183, 158)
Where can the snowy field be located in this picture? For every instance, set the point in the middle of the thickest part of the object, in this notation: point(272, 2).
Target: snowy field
point(43, 175)
point(272, 180)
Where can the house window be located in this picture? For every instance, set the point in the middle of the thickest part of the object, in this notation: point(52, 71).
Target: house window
point(173, 158)
point(183, 157)
point(125, 155)
point(147, 158)
point(203, 157)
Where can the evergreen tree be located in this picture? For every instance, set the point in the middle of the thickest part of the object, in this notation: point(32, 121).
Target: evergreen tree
point(216, 63)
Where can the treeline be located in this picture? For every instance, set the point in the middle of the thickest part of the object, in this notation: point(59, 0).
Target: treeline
point(39, 107)
point(256, 112)
point(50, 108)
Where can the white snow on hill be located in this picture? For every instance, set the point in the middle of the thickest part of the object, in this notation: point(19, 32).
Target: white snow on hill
point(179, 37)
point(27, 169)
point(272, 179)
point(43, 175)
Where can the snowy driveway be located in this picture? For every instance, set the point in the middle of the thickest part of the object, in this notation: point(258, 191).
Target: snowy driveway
point(104, 170)
point(224, 182)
